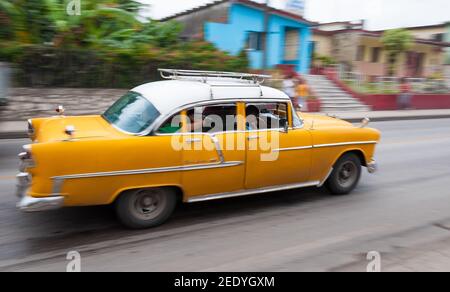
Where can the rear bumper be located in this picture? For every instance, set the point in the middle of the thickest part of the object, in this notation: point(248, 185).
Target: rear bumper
point(31, 204)
point(372, 166)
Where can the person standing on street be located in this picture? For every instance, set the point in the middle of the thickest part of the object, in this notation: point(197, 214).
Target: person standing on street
point(289, 88)
point(404, 99)
point(302, 92)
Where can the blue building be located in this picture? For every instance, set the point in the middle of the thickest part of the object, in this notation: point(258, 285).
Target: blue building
point(236, 25)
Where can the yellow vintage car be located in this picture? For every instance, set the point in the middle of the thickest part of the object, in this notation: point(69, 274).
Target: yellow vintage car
point(194, 137)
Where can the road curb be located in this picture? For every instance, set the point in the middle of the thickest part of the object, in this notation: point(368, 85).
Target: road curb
point(23, 135)
point(393, 119)
point(13, 135)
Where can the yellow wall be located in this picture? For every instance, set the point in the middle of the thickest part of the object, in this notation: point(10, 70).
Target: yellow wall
point(323, 45)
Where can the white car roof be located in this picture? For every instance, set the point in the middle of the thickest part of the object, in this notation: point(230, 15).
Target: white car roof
point(167, 96)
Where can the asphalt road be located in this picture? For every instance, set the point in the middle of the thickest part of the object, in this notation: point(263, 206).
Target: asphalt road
point(401, 211)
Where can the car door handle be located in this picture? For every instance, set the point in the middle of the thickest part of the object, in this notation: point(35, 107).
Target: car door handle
point(252, 138)
point(193, 140)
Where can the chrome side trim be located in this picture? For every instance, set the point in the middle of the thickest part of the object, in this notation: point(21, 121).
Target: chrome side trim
point(293, 148)
point(325, 146)
point(252, 192)
point(345, 144)
point(150, 170)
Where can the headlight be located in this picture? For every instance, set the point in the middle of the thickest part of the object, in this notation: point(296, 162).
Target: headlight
point(365, 122)
point(26, 159)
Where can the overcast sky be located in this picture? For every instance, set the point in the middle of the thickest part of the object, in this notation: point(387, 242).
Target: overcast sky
point(380, 14)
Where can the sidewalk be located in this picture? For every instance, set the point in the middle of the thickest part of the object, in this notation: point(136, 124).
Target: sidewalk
point(26, 103)
point(13, 130)
point(381, 116)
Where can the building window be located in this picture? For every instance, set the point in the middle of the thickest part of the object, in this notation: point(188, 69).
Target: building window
point(291, 45)
point(376, 55)
point(314, 48)
point(439, 37)
point(360, 53)
point(255, 41)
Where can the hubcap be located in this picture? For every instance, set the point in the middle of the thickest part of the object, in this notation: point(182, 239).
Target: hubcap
point(148, 204)
point(347, 174)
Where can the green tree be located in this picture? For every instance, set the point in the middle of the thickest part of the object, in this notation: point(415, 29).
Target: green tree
point(41, 21)
point(25, 21)
point(396, 42)
point(109, 44)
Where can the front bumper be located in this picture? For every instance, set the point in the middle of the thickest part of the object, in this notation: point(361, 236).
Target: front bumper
point(31, 204)
point(372, 166)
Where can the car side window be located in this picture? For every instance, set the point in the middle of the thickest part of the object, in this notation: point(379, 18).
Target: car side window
point(212, 119)
point(265, 116)
point(296, 121)
point(173, 125)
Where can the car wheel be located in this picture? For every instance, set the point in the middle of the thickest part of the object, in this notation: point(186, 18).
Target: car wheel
point(145, 208)
point(345, 176)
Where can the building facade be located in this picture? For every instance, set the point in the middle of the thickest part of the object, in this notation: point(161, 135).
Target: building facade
point(361, 51)
point(236, 25)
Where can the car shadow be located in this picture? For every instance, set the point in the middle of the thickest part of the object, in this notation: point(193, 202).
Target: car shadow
point(68, 228)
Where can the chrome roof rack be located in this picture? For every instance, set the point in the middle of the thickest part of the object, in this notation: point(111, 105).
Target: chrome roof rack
point(175, 74)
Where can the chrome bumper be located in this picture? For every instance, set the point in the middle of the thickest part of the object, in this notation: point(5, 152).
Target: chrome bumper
point(31, 204)
point(372, 167)
point(23, 183)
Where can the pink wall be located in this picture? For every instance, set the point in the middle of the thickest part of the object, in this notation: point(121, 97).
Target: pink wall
point(381, 102)
point(313, 105)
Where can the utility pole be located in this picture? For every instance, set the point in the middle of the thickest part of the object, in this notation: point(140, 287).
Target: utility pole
point(266, 35)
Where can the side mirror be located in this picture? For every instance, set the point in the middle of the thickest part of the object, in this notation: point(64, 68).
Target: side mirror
point(284, 124)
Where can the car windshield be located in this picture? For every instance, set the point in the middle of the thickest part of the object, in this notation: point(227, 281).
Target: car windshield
point(132, 113)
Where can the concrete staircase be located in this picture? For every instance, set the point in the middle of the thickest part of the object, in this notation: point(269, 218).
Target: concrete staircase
point(332, 98)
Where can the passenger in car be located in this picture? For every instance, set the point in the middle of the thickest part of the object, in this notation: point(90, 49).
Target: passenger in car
point(195, 122)
point(252, 113)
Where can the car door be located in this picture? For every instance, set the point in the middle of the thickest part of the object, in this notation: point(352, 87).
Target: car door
point(213, 147)
point(276, 157)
